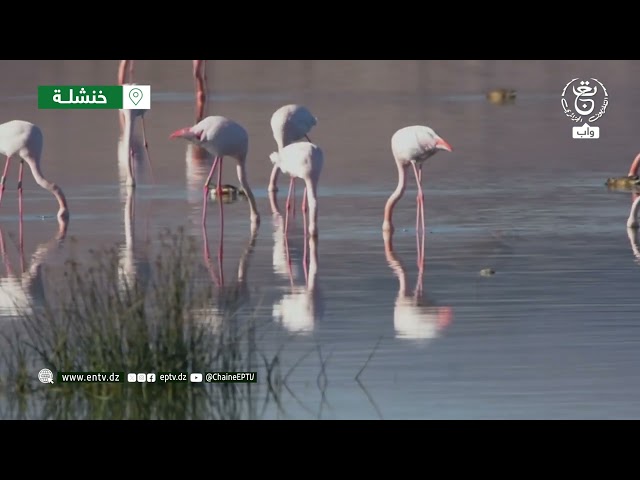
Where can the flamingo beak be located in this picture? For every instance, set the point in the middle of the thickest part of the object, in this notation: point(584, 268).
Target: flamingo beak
point(443, 145)
point(182, 133)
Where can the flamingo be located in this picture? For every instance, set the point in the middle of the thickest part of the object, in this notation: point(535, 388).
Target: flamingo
point(222, 137)
point(199, 74)
point(414, 318)
point(302, 160)
point(289, 124)
point(26, 140)
point(412, 145)
point(128, 118)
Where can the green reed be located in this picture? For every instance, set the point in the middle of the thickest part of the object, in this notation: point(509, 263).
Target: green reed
point(97, 319)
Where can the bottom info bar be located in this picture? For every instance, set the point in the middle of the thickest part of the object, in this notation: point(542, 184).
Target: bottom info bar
point(184, 377)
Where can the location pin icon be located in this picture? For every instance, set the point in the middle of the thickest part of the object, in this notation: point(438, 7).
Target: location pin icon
point(135, 94)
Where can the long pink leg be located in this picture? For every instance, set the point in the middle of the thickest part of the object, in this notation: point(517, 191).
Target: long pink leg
point(304, 201)
point(304, 222)
point(206, 189)
point(286, 218)
point(207, 257)
point(5, 257)
point(3, 181)
point(20, 171)
point(220, 245)
point(420, 207)
point(219, 196)
point(199, 74)
point(146, 147)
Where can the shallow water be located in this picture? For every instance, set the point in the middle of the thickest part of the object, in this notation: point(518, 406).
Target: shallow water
point(553, 334)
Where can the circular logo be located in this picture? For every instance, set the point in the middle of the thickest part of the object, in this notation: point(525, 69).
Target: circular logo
point(45, 375)
point(584, 100)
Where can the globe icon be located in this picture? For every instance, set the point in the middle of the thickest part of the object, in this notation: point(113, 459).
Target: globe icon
point(45, 375)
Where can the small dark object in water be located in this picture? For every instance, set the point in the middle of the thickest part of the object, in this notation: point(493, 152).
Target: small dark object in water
point(630, 181)
point(230, 193)
point(501, 95)
point(487, 272)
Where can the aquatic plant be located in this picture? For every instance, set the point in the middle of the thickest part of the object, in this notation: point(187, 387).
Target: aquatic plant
point(98, 319)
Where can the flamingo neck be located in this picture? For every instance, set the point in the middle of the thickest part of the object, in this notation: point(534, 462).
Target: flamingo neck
point(396, 195)
point(635, 166)
point(50, 186)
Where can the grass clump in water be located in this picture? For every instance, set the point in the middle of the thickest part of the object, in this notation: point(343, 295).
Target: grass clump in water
point(102, 319)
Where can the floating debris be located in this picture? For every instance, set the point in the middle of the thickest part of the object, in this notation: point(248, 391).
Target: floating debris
point(623, 183)
point(229, 194)
point(501, 96)
point(487, 272)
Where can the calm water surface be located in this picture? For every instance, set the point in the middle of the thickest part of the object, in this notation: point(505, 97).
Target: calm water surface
point(553, 334)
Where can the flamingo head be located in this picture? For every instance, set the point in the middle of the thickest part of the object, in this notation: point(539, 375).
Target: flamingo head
point(187, 133)
point(441, 144)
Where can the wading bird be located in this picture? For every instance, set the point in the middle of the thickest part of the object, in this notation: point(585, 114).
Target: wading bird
point(25, 140)
point(222, 138)
point(128, 118)
point(412, 146)
point(199, 75)
point(289, 124)
point(302, 160)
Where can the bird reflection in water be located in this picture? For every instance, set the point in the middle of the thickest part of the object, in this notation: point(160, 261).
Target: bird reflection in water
point(302, 305)
point(18, 293)
point(632, 225)
point(287, 261)
point(414, 317)
point(134, 267)
point(228, 298)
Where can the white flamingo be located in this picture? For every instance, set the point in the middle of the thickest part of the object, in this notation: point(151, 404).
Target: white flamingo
point(302, 160)
point(412, 146)
point(289, 124)
point(25, 140)
point(222, 137)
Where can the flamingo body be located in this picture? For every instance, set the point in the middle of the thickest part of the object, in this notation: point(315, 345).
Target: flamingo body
point(26, 140)
point(302, 160)
point(413, 146)
point(289, 124)
point(222, 137)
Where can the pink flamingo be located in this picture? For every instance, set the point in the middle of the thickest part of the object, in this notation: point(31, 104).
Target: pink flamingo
point(411, 146)
point(222, 137)
point(302, 160)
point(199, 74)
point(25, 140)
point(289, 124)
